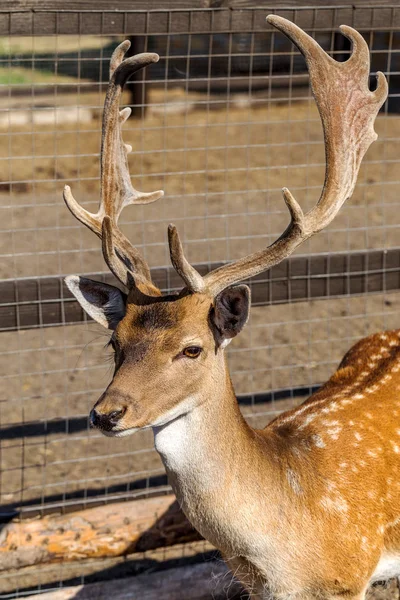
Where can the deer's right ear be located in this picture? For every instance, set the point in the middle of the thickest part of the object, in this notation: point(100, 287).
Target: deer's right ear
point(104, 303)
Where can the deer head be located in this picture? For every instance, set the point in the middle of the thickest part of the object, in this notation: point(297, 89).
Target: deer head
point(169, 350)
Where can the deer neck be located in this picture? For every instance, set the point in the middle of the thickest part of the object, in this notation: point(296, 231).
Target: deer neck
point(205, 436)
point(208, 453)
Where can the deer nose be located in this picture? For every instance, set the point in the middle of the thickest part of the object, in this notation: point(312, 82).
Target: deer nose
point(106, 421)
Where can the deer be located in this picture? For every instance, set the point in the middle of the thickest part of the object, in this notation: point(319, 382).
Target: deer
point(309, 506)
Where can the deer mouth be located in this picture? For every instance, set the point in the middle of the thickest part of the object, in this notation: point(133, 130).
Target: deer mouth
point(121, 432)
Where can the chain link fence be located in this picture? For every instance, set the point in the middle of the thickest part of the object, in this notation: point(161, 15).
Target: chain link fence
point(221, 123)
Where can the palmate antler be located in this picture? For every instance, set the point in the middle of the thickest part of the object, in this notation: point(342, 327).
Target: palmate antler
point(347, 109)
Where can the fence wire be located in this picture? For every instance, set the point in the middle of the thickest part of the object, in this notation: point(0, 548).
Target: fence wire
point(221, 123)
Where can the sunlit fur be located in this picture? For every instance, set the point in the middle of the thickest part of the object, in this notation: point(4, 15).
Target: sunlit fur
point(152, 377)
point(307, 507)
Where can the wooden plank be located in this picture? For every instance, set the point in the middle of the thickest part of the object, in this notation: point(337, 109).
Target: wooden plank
point(28, 17)
point(98, 5)
point(274, 4)
point(138, 5)
point(194, 582)
point(38, 302)
point(116, 529)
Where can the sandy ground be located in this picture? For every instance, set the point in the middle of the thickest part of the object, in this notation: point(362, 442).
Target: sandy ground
point(248, 153)
point(222, 171)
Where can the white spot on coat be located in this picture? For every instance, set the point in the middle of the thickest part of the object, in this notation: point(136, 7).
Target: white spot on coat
point(294, 482)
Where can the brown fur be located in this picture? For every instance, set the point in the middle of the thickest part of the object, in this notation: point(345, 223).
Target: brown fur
point(150, 338)
point(303, 508)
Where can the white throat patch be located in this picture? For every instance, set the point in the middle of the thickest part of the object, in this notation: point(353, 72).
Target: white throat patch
point(172, 437)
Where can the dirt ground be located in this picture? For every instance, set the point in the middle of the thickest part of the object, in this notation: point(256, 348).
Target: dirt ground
point(222, 171)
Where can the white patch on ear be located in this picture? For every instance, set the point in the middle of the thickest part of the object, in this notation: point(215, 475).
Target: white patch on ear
point(104, 303)
point(225, 342)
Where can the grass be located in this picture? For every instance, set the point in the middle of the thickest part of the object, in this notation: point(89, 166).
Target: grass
point(21, 76)
point(49, 44)
point(13, 48)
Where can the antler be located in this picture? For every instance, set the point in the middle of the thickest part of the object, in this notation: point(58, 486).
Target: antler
point(347, 109)
point(116, 188)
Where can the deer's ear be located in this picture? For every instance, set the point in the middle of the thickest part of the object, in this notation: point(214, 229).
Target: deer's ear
point(230, 313)
point(104, 303)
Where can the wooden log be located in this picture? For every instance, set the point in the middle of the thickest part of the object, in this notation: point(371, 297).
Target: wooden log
point(113, 530)
point(195, 582)
point(93, 570)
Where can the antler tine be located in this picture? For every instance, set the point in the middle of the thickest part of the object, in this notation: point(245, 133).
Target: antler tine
point(192, 278)
point(347, 109)
point(116, 187)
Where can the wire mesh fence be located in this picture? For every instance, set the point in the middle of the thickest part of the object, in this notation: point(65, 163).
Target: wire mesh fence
point(221, 123)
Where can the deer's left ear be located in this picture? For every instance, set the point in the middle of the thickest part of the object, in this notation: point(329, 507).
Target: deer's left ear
point(230, 313)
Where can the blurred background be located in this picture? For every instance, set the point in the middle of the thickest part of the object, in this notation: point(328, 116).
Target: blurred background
point(221, 123)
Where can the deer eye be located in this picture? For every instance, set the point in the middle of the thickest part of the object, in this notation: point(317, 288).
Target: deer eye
point(192, 351)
